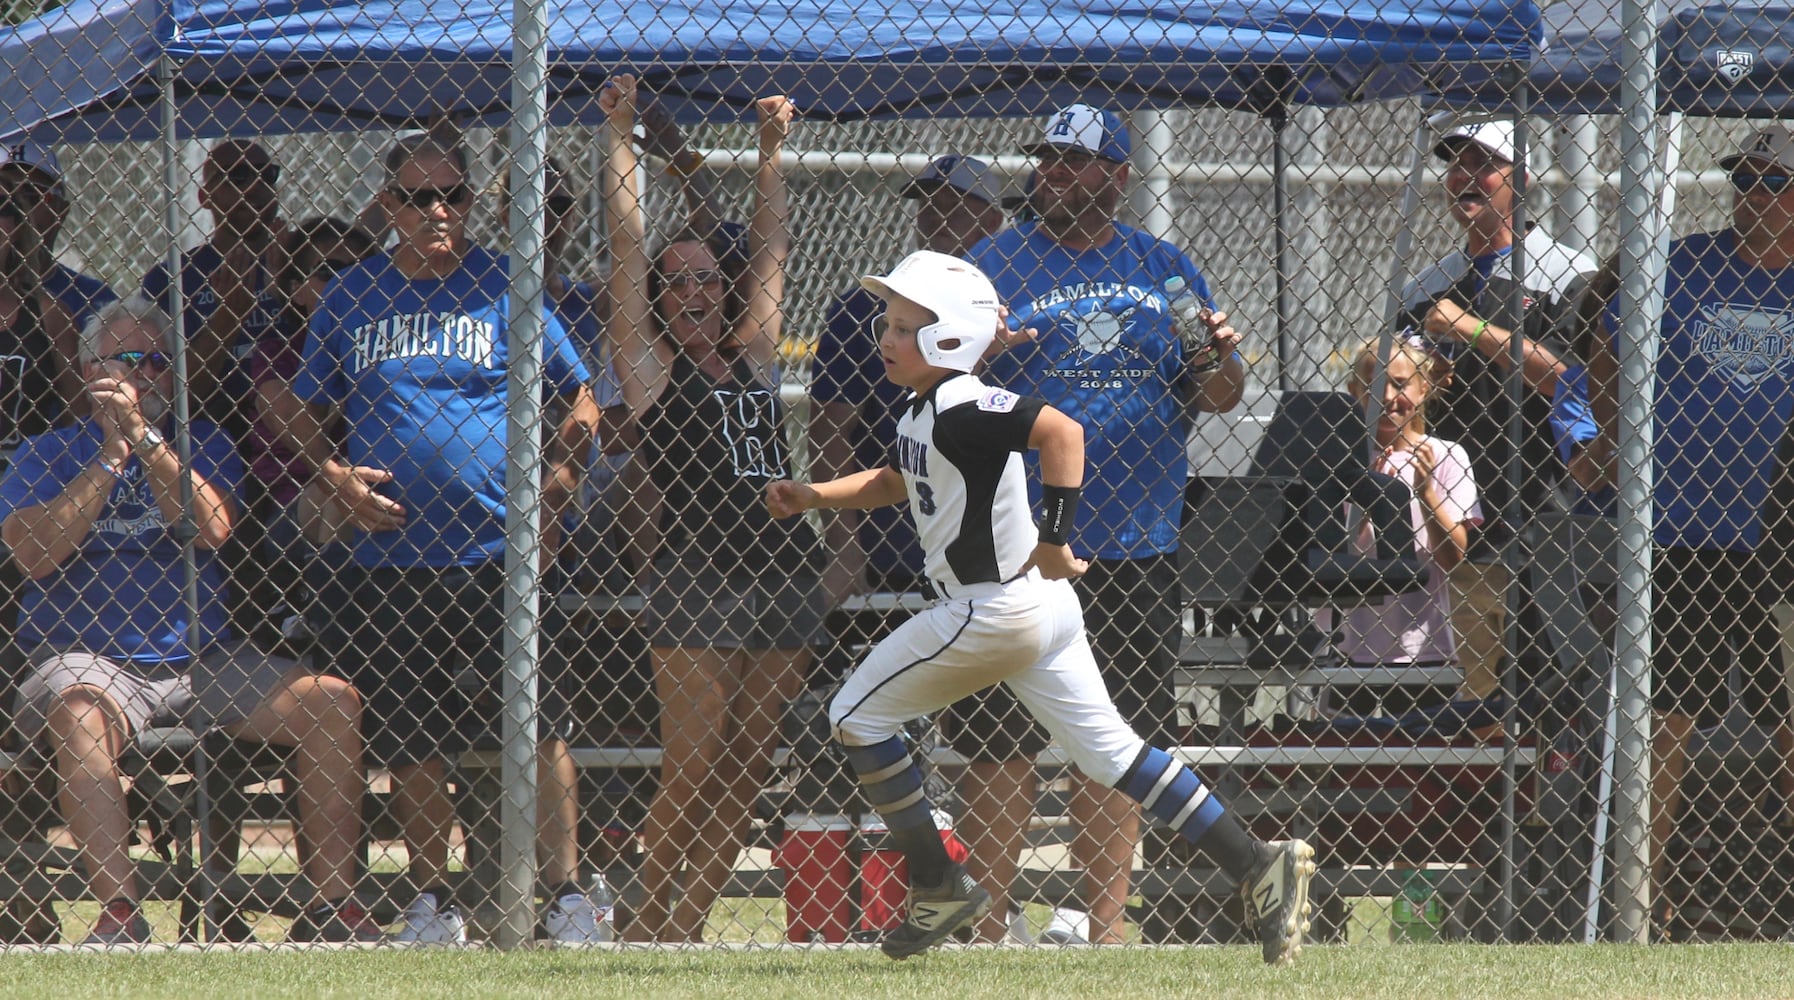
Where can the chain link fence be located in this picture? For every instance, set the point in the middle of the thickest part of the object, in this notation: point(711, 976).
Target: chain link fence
point(307, 548)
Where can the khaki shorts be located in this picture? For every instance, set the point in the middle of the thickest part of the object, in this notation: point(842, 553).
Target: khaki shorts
point(221, 688)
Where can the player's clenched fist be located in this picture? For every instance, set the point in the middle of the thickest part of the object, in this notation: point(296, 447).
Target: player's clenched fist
point(1056, 562)
point(785, 498)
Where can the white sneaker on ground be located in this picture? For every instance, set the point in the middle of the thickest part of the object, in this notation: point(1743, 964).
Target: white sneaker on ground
point(427, 922)
point(1018, 932)
point(573, 919)
point(1068, 927)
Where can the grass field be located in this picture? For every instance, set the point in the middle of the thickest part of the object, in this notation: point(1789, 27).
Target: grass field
point(1433, 972)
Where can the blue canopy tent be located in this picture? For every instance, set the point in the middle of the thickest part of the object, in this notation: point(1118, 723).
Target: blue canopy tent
point(88, 71)
point(1721, 61)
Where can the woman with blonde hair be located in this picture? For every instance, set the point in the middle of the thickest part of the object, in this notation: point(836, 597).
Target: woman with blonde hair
point(1411, 629)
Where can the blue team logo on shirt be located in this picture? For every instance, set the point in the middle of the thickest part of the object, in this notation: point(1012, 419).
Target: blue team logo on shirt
point(133, 512)
point(1098, 316)
point(1745, 344)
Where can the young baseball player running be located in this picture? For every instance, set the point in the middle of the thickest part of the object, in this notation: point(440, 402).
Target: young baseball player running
point(1003, 611)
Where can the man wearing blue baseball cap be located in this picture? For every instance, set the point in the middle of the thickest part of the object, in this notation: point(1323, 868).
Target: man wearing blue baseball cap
point(1131, 343)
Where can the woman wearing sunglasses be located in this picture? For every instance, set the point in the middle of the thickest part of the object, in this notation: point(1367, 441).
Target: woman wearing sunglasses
point(734, 600)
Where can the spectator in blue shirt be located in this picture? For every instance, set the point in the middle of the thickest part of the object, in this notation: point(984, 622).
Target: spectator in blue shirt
point(1115, 352)
point(91, 515)
point(410, 350)
point(228, 284)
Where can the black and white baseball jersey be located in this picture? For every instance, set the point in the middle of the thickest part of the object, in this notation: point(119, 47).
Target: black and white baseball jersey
point(959, 448)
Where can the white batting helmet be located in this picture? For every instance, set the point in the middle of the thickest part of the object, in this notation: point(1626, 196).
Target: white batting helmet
point(962, 299)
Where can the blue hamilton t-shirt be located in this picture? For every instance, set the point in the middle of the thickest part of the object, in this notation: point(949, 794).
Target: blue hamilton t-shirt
point(419, 368)
point(849, 369)
point(1108, 355)
point(1723, 392)
point(122, 594)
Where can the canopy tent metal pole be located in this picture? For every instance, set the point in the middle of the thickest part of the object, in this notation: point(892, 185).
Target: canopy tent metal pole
point(1151, 200)
point(1279, 120)
point(1311, 260)
point(523, 477)
point(1512, 553)
point(1579, 209)
point(1401, 271)
point(187, 530)
point(1642, 266)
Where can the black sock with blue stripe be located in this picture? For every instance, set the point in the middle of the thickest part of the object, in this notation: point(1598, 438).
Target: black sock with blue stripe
point(893, 785)
point(1173, 793)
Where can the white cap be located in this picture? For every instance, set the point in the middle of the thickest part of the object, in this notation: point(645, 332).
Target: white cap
point(1773, 145)
point(965, 174)
point(962, 299)
point(1083, 127)
point(36, 156)
point(1495, 135)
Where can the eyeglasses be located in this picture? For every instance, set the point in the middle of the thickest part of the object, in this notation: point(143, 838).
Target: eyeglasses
point(247, 174)
point(681, 279)
point(154, 361)
point(1744, 182)
point(424, 199)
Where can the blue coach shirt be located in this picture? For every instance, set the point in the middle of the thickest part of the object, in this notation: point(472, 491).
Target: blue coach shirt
point(419, 368)
point(1109, 356)
point(122, 593)
point(1723, 392)
point(848, 369)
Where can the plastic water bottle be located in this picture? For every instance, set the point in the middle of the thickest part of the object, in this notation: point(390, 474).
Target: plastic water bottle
point(1186, 317)
point(605, 902)
point(1416, 913)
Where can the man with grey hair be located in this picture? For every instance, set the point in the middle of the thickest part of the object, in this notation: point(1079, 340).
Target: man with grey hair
point(92, 515)
point(409, 349)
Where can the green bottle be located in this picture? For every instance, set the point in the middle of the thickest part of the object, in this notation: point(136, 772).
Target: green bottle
point(1416, 913)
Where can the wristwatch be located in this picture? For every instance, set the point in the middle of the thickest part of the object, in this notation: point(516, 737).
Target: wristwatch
point(149, 441)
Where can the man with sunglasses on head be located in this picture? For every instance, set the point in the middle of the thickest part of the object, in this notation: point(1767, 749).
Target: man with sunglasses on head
point(409, 350)
point(1724, 398)
point(1465, 303)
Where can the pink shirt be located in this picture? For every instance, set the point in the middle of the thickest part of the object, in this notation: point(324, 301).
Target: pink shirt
point(1414, 627)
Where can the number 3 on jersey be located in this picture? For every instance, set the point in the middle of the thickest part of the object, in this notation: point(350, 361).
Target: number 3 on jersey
point(924, 498)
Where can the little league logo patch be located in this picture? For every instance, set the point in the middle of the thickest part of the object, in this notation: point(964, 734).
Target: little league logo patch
point(1733, 64)
point(998, 401)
